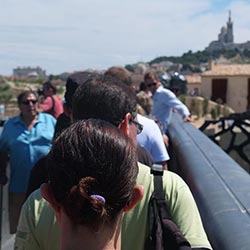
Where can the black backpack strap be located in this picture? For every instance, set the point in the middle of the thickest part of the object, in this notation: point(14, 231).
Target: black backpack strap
point(154, 239)
point(164, 233)
point(158, 194)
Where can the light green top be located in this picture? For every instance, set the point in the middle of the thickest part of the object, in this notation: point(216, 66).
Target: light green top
point(38, 229)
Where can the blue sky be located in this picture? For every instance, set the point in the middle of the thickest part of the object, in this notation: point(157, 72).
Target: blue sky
point(68, 35)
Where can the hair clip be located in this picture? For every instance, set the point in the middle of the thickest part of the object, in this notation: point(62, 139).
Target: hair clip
point(98, 197)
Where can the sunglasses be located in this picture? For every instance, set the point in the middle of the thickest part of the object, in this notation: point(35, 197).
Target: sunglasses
point(27, 102)
point(152, 84)
point(138, 126)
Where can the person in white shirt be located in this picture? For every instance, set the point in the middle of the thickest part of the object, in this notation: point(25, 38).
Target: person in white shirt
point(151, 139)
point(164, 101)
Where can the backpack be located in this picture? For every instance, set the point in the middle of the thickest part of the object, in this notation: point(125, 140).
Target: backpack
point(164, 234)
point(51, 110)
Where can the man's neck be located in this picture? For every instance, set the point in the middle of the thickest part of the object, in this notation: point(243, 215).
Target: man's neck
point(29, 120)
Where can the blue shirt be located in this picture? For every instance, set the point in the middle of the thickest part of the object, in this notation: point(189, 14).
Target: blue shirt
point(25, 147)
point(164, 101)
point(151, 139)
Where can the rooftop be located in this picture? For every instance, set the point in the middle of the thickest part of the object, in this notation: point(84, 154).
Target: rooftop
point(228, 70)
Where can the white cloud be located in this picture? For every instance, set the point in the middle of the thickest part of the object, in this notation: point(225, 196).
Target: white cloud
point(64, 34)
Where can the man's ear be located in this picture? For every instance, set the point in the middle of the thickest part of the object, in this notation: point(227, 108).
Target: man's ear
point(137, 196)
point(124, 125)
point(47, 194)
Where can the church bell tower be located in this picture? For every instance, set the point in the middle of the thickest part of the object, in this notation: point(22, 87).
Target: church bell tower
point(229, 36)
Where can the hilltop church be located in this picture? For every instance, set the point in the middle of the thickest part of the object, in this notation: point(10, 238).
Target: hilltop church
point(226, 39)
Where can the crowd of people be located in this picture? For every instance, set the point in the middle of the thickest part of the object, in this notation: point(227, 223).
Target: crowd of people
point(80, 170)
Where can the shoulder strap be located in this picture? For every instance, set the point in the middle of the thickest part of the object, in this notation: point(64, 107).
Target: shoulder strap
point(50, 111)
point(171, 237)
point(154, 239)
point(157, 171)
point(53, 103)
point(159, 194)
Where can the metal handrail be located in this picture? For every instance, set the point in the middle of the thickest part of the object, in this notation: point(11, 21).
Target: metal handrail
point(219, 185)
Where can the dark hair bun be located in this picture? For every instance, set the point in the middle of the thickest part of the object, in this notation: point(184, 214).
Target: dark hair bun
point(80, 207)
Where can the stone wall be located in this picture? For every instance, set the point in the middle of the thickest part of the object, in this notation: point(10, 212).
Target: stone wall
point(201, 107)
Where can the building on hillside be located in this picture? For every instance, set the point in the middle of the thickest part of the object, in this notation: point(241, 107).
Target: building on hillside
point(226, 39)
point(193, 84)
point(29, 72)
point(228, 84)
point(140, 68)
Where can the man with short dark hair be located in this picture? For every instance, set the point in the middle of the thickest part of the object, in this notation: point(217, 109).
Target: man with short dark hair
point(24, 140)
point(101, 98)
point(39, 171)
point(164, 101)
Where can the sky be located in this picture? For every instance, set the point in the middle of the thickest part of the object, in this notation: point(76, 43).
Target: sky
point(70, 35)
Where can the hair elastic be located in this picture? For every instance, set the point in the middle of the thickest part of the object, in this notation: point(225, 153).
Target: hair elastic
point(98, 197)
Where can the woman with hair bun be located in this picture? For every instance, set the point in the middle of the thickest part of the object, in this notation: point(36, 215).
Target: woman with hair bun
point(92, 182)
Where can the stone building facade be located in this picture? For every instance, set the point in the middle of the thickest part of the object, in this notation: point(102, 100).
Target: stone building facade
point(228, 84)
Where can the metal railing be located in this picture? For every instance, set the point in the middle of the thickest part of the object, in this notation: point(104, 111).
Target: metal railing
point(219, 185)
point(234, 125)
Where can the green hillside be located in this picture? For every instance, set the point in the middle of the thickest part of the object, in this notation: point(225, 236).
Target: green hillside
point(199, 57)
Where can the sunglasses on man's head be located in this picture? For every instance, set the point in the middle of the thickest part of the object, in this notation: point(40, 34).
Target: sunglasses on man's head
point(152, 84)
point(27, 102)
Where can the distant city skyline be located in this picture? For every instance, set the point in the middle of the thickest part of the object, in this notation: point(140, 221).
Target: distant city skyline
point(63, 36)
